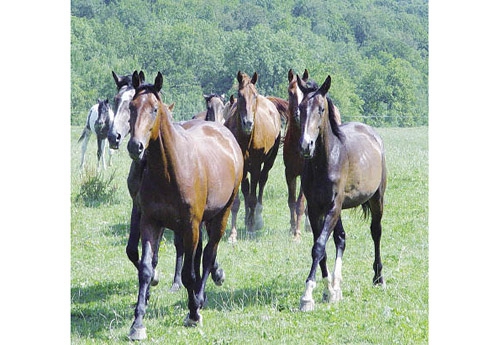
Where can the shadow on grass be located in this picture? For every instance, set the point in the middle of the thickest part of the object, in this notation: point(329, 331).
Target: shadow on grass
point(94, 308)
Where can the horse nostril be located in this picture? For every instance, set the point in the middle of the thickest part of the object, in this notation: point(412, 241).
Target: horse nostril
point(140, 148)
point(118, 136)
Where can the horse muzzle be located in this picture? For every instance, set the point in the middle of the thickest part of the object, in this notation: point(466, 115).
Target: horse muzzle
point(135, 149)
point(114, 139)
point(307, 148)
point(247, 126)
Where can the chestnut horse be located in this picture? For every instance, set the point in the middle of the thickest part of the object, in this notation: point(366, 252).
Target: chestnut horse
point(256, 125)
point(344, 167)
point(192, 175)
point(98, 122)
point(293, 160)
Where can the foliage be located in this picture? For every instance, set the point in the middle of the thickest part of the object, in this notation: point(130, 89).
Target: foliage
point(375, 50)
point(96, 188)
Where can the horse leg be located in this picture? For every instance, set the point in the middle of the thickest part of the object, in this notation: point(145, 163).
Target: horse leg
point(133, 236)
point(262, 178)
point(376, 210)
point(85, 140)
point(150, 238)
point(156, 276)
point(333, 292)
point(190, 274)
point(100, 153)
point(300, 205)
point(321, 234)
point(234, 216)
point(291, 183)
point(179, 253)
point(251, 203)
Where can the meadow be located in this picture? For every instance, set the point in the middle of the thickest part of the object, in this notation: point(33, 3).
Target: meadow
point(265, 276)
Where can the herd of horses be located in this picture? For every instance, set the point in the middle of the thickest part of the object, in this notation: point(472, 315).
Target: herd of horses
point(186, 176)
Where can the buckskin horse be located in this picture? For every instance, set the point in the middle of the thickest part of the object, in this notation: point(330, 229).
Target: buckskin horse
point(256, 125)
point(192, 175)
point(344, 167)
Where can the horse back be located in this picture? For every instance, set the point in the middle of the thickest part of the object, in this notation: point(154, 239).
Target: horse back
point(267, 124)
point(366, 163)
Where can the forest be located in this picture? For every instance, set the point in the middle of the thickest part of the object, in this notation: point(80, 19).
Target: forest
point(376, 52)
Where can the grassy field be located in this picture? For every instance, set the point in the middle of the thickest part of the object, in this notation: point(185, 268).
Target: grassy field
point(265, 276)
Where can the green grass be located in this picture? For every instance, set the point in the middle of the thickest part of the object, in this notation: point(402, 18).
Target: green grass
point(265, 276)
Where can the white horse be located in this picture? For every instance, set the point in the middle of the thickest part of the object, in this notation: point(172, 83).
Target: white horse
point(99, 120)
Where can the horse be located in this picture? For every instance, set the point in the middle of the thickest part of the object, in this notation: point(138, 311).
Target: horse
point(120, 127)
point(344, 167)
point(116, 134)
point(292, 159)
point(256, 125)
point(215, 108)
point(98, 121)
point(192, 175)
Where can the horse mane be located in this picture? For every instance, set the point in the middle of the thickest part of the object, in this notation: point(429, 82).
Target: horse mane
point(333, 123)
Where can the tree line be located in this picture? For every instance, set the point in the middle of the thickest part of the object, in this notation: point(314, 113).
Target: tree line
point(376, 51)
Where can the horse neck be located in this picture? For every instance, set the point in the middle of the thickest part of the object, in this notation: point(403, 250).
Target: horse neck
point(328, 145)
point(162, 152)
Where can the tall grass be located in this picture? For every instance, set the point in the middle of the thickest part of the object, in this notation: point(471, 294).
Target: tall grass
point(265, 276)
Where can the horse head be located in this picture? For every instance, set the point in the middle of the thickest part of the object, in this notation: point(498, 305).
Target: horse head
point(312, 109)
point(295, 95)
point(144, 108)
point(104, 116)
point(247, 100)
point(215, 107)
point(120, 127)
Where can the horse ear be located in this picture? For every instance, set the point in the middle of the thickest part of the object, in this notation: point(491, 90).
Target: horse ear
point(171, 106)
point(231, 100)
point(136, 82)
point(326, 86)
point(239, 77)
point(158, 82)
point(290, 75)
point(302, 85)
point(142, 77)
point(254, 78)
point(305, 76)
point(115, 77)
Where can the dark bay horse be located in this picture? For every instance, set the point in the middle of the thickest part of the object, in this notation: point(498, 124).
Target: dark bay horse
point(215, 108)
point(293, 160)
point(192, 175)
point(344, 167)
point(98, 122)
point(116, 134)
point(256, 125)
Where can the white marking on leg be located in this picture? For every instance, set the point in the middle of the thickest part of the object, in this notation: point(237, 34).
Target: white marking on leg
point(337, 279)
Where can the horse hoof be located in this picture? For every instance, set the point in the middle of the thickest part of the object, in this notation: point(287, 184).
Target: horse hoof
point(306, 305)
point(175, 287)
point(379, 281)
point(137, 333)
point(192, 323)
point(156, 278)
point(219, 277)
point(333, 296)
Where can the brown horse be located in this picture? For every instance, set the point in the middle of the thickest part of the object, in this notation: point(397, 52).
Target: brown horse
point(344, 167)
point(256, 126)
point(215, 108)
point(192, 175)
point(293, 160)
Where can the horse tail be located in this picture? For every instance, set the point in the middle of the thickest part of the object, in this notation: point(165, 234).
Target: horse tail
point(84, 134)
point(366, 210)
